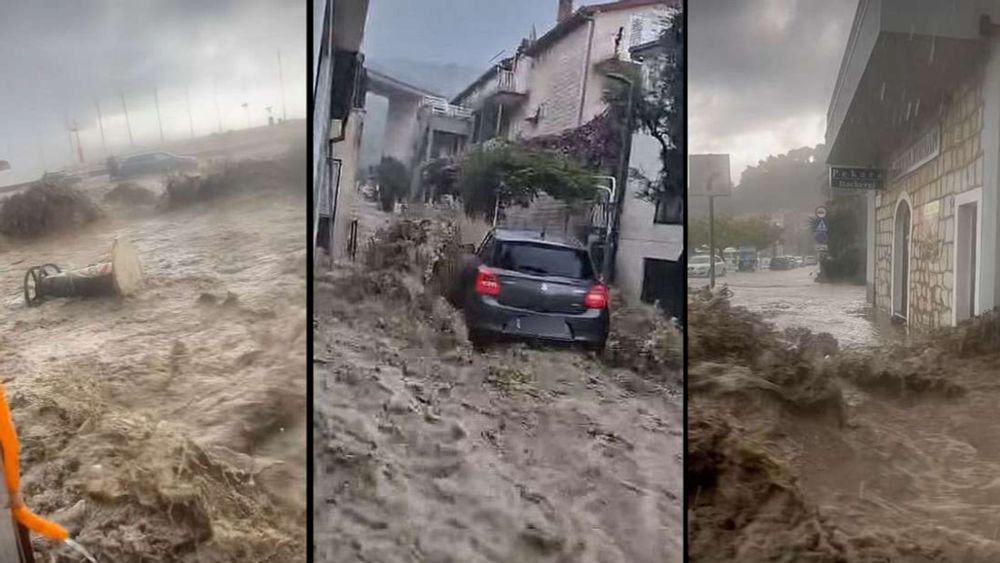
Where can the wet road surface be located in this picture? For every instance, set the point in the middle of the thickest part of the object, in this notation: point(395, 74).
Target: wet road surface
point(790, 298)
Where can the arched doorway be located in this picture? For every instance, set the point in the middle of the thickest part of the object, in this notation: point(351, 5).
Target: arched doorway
point(901, 261)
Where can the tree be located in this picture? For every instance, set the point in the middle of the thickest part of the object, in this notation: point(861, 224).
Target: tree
point(595, 144)
point(393, 182)
point(439, 177)
point(659, 108)
point(756, 231)
point(845, 221)
point(503, 174)
point(793, 180)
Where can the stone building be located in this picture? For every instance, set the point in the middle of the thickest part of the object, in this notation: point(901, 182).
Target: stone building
point(918, 98)
point(556, 82)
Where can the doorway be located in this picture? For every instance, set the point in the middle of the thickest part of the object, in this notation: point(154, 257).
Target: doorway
point(663, 283)
point(966, 255)
point(901, 261)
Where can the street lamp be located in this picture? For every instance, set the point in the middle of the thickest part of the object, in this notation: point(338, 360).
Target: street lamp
point(623, 158)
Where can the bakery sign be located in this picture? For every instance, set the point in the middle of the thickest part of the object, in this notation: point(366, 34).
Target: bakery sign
point(855, 178)
point(925, 149)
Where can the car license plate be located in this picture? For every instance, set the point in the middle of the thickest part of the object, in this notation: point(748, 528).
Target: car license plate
point(545, 327)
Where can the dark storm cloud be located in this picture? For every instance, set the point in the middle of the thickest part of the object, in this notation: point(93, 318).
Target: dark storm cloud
point(762, 72)
point(65, 44)
point(57, 56)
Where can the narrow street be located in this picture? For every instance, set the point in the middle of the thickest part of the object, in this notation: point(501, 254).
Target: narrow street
point(792, 298)
point(427, 450)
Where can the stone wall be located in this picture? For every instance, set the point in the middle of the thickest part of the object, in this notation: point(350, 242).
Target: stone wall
point(931, 192)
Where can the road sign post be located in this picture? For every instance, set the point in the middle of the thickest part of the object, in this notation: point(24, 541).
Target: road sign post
point(711, 241)
point(821, 232)
point(708, 176)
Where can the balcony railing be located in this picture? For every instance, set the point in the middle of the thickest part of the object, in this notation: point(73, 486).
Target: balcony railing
point(507, 83)
point(439, 106)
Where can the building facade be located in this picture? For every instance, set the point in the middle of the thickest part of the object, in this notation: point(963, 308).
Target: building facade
point(420, 125)
point(338, 117)
point(554, 82)
point(918, 98)
point(649, 262)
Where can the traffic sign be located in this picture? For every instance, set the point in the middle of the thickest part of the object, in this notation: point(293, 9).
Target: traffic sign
point(821, 212)
point(821, 226)
point(820, 237)
point(709, 175)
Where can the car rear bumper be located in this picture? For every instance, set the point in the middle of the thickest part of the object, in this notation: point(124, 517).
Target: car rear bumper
point(487, 315)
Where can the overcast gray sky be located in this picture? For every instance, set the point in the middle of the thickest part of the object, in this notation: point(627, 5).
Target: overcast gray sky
point(468, 32)
point(59, 56)
point(761, 74)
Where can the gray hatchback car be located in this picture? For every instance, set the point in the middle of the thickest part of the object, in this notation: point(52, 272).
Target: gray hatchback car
point(526, 285)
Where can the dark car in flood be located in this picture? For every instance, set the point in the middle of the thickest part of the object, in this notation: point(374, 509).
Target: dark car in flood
point(783, 263)
point(151, 163)
point(526, 285)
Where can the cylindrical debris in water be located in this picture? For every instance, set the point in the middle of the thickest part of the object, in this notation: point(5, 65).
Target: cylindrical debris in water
point(121, 275)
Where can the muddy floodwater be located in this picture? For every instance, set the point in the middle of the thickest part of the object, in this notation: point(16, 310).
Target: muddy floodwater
point(905, 471)
point(170, 426)
point(430, 451)
point(792, 298)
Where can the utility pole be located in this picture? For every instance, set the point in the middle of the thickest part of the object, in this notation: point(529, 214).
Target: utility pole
point(100, 124)
point(69, 134)
point(75, 129)
point(281, 84)
point(41, 150)
point(187, 98)
point(218, 112)
point(622, 180)
point(156, 100)
point(246, 103)
point(128, 124)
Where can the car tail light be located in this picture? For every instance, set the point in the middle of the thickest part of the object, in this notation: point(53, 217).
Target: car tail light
point(487, 283)
point(597, 297)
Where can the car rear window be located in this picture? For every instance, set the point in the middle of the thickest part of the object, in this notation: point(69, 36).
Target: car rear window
point(543, 259)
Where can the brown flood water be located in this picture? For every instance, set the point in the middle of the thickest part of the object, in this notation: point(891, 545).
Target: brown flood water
point(429, 451)
point(169, 426)
point(911, 476)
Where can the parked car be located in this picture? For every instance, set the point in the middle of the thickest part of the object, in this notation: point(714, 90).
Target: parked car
point(799, 261)
point(698, 266)
point(782, 263)
point(529, 285)
point(151, 163)
point(63, 178)
point(810, 261)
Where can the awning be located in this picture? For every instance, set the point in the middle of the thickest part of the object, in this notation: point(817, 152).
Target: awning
point(903, 61)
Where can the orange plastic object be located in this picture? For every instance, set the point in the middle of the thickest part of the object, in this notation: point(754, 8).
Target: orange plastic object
point(12, 477)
